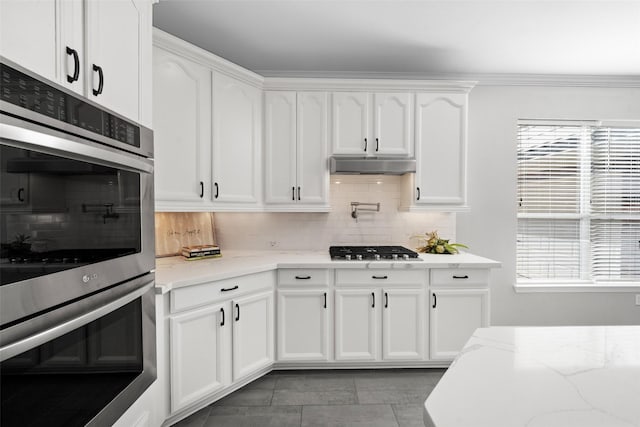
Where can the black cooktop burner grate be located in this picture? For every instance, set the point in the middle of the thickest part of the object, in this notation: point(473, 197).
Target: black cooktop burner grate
point(357, 253)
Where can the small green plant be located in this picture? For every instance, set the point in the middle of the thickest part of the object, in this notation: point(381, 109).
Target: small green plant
point(431, 243)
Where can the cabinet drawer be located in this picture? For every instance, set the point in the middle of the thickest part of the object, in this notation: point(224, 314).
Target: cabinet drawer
point(381, 277)
point(304, 276)
point(460, 277)
point(207, 293)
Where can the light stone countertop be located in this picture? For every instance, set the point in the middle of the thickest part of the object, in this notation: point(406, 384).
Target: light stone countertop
point(176, 272)
point(583, 376)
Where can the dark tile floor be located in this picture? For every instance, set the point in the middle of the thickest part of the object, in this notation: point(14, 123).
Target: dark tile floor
point(372, 398)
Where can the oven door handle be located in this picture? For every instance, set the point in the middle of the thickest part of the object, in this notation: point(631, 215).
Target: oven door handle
point(75, 148)
point(115, 301)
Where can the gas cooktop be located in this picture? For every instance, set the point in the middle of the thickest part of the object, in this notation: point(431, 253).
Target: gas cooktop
point(372, 253)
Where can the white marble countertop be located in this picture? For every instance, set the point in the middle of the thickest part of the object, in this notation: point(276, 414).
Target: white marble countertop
point(584, 376)
point(176, 272)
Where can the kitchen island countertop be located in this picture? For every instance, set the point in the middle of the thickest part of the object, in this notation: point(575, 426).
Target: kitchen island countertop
point(583, 376)
point(176, 272)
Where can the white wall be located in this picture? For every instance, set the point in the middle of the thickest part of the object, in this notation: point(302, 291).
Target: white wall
point(318, 231)
point(490, 227)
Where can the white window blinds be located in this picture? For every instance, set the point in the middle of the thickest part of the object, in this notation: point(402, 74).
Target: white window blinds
point(578, 202)
point(615, 204)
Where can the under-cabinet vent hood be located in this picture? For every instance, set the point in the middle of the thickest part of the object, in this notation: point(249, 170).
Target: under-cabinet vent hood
point(372, 165)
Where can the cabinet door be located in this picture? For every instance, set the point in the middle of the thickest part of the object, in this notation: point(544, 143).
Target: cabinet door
point(350, 123)
point(252, 334)
point(28, 35)
point(182, 131)
point(393, 117)
point(441, 122)
point(312, 171)
point(455, 315)
point(357, 324)
point(280, 147)
point(112, 32)
point(198, 361)
point(71, 50)
point(236, 141)
point(303, 325)
point(402, 324)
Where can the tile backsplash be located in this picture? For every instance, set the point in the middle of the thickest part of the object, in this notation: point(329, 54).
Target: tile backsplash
point(318, 231)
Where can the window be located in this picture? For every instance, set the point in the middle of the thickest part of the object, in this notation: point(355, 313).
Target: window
point(578, 202)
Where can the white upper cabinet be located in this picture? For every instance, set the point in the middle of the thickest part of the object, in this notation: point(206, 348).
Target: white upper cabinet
point(393, 117)
point(440, 181)
point(48, 37)
point(208, 131)
point(350, 129)
point(296, 171)
point(236, 143)
point(280, 147)
point(181, 117)
point(28, 35)
point(113, 55)
point(378, 124)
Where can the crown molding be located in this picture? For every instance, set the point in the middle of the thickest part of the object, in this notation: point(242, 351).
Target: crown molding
point(203, 57)
point(440, 79)
point(366, 84)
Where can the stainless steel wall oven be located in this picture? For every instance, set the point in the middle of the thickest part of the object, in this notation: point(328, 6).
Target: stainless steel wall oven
point(77, 311)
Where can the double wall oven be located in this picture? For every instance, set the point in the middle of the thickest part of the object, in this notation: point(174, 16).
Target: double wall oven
point(77, 311)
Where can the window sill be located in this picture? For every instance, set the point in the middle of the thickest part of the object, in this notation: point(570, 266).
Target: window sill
point(584, 287)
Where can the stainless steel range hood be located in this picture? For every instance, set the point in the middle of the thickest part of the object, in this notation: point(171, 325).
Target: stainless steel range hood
point(372, 165)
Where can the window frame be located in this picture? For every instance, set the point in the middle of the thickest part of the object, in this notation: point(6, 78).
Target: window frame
point(585, 282)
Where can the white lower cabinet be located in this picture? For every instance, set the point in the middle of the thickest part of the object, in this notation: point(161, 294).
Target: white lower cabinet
point(252, 334)
point(379, 324)
point(357, 324)
point(220, 333)
point(459, 305)
point(304, 325)
point(403, 324)
point(199, 340)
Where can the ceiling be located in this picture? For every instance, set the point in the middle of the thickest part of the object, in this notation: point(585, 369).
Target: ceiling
point(424, 38)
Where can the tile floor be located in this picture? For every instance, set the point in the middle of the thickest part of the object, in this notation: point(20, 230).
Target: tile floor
point(372, 398)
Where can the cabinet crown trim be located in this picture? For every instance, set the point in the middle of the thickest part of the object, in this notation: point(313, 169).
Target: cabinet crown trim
point(367, 85)
point(189, 51)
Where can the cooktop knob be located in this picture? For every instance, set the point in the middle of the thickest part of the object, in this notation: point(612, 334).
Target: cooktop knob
point(359, 257)
point(347, 257)
point(405, 257)
point(394, 256)
point(376, 257)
